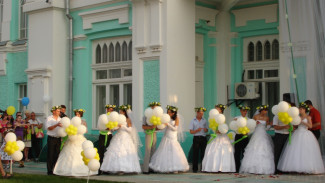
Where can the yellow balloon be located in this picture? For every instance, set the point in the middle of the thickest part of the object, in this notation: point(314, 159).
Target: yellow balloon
point(11, 110)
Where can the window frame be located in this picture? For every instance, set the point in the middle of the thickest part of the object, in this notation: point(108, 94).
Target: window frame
point(22, 30)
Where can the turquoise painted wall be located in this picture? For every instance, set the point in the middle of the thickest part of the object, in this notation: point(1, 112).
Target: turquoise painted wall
point(14, 23)
point(151, 82)
point(252, 28)
point(82, 72)
point(15, 75)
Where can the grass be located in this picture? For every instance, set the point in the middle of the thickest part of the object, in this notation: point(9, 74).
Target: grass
point(30, 178)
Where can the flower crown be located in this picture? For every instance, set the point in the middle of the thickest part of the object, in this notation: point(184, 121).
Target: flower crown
point(262, 107)
point(241, 107)
point(154, 104)
point(124, 107)
point(304, 105)
point(198, 109)
point(172, 108)
point(55, 108)
point(110, 106)
point(221, 106)
point(79, 110)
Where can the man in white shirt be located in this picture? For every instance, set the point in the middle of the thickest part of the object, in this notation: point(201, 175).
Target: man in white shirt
point(199, 128)
point(280, 138)
point(37, 125)
point(53, 140)
point(241, 145)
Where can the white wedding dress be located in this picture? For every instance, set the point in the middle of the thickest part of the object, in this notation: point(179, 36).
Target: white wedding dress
point(219, 155)
point(121, 154)
point(259, 155)
point(303, 154)
point(70, 161)
point(169, 157)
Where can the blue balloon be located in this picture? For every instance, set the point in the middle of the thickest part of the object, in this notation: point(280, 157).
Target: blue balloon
point(25, 101)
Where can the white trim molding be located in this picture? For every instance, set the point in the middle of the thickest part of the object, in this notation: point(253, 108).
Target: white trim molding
point(267, 12)
point(120, 13)
point(39, 72)
point(207, 14)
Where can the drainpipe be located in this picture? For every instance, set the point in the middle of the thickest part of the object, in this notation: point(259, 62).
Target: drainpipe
point(67, 6)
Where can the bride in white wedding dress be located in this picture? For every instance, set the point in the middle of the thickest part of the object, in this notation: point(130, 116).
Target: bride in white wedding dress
point(259, 156)
point(122, 153)
point(170, 157)
point(70, 161)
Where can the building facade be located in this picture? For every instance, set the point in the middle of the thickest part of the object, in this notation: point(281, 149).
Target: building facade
point(187, 53)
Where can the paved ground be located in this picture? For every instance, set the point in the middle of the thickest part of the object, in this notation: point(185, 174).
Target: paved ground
point(40, 168)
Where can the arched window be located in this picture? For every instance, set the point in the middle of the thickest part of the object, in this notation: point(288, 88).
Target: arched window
point(124, 51)
point(251, 52)
point(130, 50)
point(275, 49)
point(98, 54)
point(111, 53)
point(259, 55)
point(117, 52)
point(105, 53)
point(267, 50)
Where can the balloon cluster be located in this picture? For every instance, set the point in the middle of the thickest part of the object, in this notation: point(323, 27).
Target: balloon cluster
point(13, 148)
point(242, 125)
point(90, 155)
point(217, 121)
point(71, 128)
point(111, 121)
point(286, 113)
point(156, 117)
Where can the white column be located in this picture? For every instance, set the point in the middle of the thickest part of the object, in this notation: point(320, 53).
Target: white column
point(164, 30)
point(47, 55)
point(6, 18)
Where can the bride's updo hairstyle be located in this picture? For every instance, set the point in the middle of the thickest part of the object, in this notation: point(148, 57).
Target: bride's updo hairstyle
point(173, 109)
point(124, 108)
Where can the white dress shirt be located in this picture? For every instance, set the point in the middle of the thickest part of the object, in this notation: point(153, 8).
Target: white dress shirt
point(50, 121)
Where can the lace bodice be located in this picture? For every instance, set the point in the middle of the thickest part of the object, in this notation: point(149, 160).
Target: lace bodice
point(171, 131)
point(302, 125)
point(262, 122)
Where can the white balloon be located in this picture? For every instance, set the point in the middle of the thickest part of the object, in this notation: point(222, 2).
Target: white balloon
point(87, 144)
point(17, 155)
point(90, 153)
point(121, 119)
point(10, 137)
point(61, 132)
point(82, 129)
point(223, 128)
point(65, 122)
point(148, 112)
point(157, 111)
point(76, 121)
point(148, 121)
point(93, 165)
point(220, 119)
point(102, 119)
point(165, 118)
point(46, 98)
point(73, 138)
point(213, 112)
point(275, 110)
point(293, 112)
point(102, 127)
point(162, 126)
point(251, 124)
point(296, 120)
point(283, 106)
point(113, 116)
point(21, 145)
point(233, 125)
point(241, 122)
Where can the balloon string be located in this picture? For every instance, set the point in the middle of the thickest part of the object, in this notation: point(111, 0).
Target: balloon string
point(239, 139)
point(63, 141)
point(150, 132)
point(290, 131)
point(213, 136)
